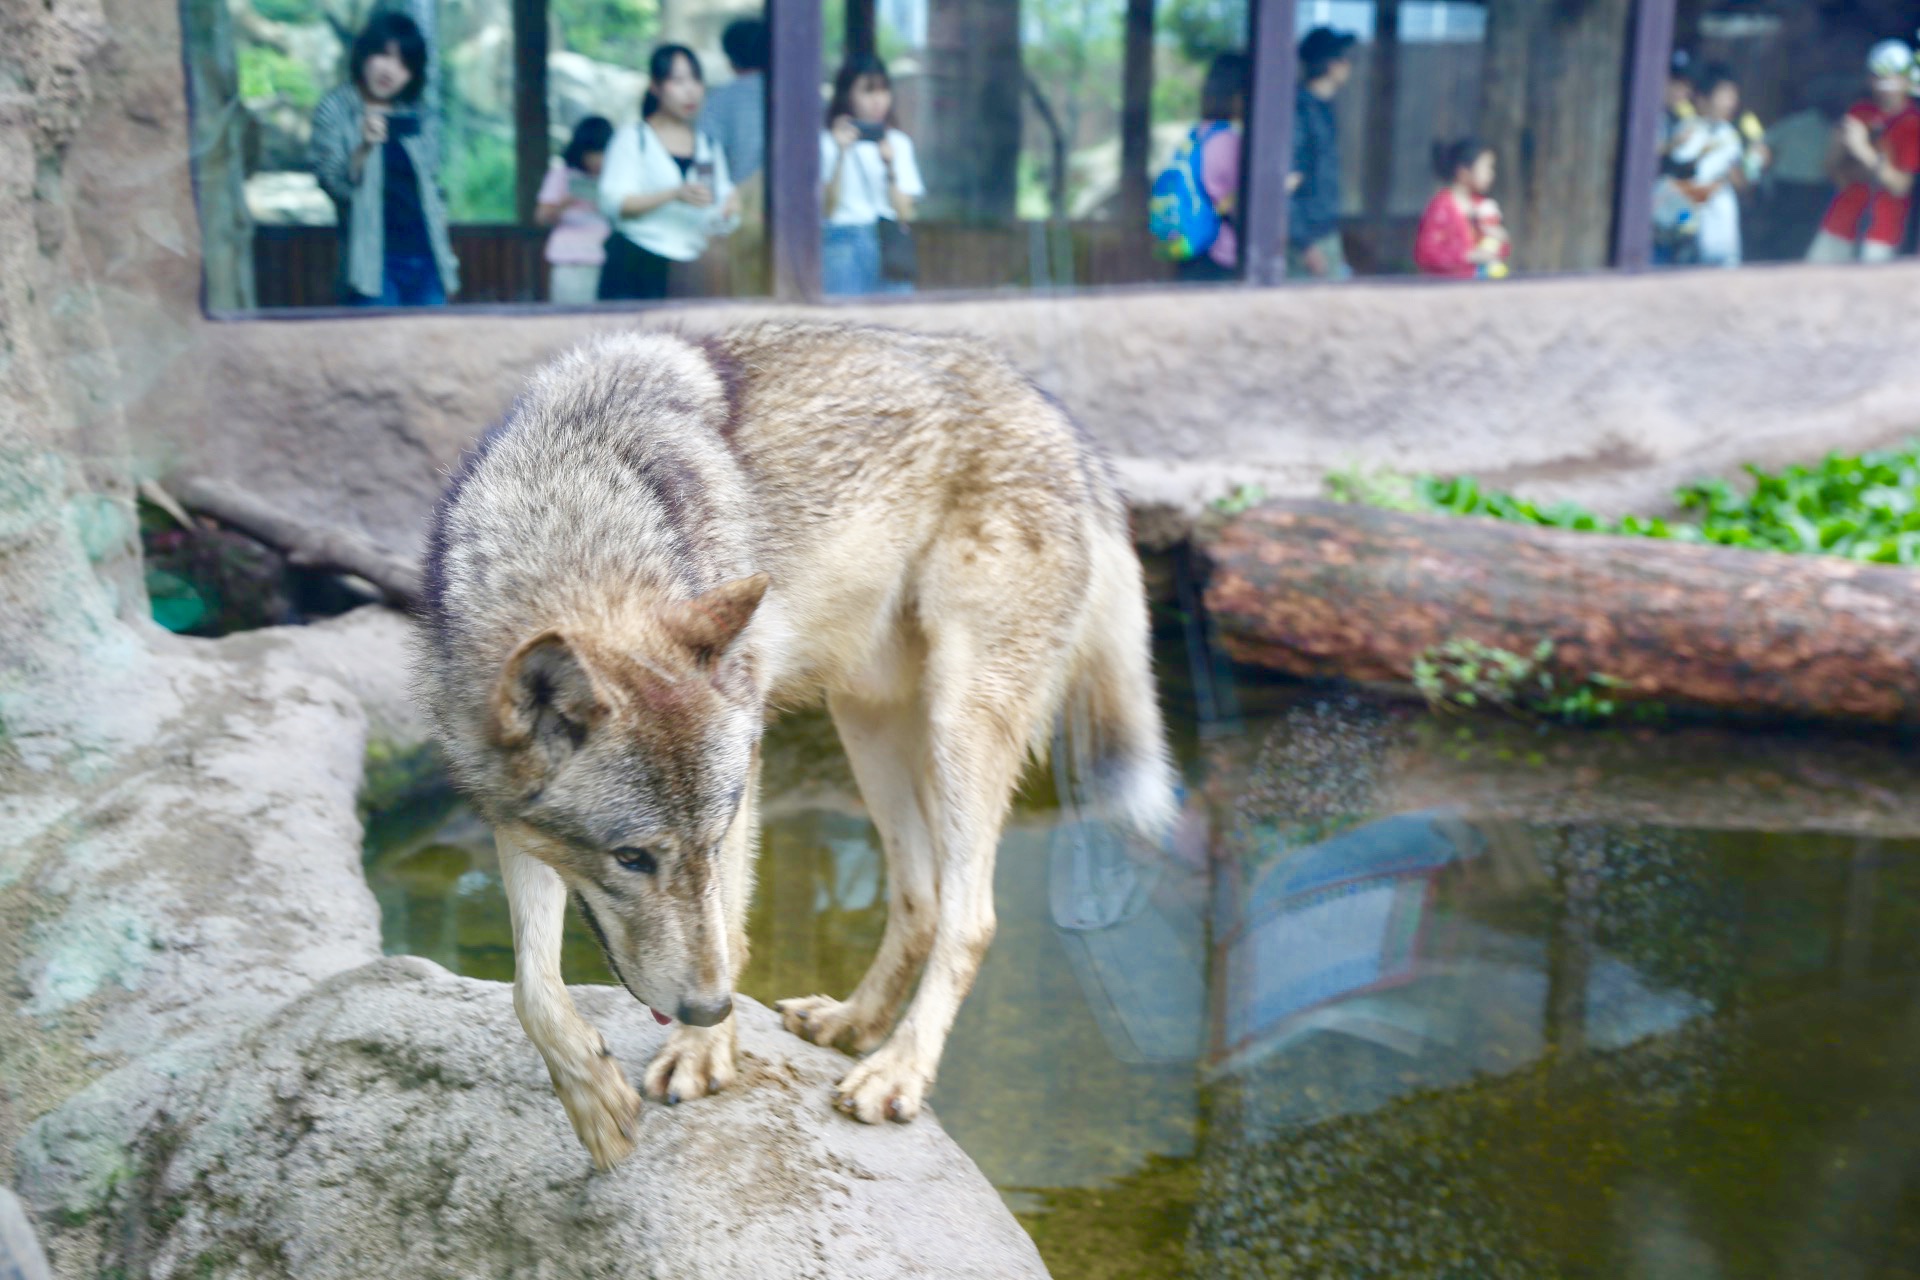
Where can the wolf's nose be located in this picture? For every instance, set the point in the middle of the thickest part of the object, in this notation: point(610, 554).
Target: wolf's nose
point(705, 1014)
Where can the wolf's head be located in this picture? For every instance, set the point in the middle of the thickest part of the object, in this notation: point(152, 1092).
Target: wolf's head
point(629, 749)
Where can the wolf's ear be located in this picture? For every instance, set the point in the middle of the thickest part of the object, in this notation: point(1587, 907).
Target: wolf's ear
point(546, 696)
point(708, 624)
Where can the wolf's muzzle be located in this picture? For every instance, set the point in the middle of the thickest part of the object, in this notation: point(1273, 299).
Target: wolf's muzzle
point(706, 1014)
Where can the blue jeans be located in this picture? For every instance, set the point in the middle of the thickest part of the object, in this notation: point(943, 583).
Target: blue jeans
point(850, 263)
point(410, 280)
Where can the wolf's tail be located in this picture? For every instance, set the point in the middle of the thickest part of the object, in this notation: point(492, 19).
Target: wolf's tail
point(1114, 752)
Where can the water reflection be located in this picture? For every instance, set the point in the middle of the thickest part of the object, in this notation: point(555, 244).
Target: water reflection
point(1394, 1001)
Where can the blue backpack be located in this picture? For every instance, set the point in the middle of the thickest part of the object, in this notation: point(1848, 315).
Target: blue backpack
point(1180, 214)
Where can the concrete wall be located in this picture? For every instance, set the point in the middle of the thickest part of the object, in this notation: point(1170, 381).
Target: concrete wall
point(1610, 389)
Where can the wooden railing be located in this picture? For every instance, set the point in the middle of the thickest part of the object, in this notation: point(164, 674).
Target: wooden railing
point(298, 266)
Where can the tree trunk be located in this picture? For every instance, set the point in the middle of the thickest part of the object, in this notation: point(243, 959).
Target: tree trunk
point(1318, 589)
point(1136, 114)
point(219, 125)
point(1551, 111)
point(971, 148)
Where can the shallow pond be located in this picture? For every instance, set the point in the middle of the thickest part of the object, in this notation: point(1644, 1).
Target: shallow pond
point(1406, 996)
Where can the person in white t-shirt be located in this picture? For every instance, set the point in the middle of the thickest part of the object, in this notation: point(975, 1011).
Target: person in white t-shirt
point(663, 184)
point(870, 176)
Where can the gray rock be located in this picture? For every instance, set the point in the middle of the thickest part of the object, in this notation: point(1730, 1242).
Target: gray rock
point(20, 1255)
point(395, 1122)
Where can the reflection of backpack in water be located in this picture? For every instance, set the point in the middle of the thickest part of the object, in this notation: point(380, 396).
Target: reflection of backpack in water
point(1180, 214)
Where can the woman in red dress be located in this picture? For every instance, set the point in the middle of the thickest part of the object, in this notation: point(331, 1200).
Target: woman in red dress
point(1460, 234)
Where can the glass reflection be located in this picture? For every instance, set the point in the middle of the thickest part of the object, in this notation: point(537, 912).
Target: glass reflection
point(475, 180)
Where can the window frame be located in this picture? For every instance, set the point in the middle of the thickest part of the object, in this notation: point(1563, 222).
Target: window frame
point(796, 31)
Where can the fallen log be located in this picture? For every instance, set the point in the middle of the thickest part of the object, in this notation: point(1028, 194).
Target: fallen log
point(307, 545)
point(1321, 589)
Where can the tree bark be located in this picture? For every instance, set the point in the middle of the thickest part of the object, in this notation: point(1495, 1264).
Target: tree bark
point(1551, 111)
point(218, 126)
point(1323, 590)
point(970, 151)
point(309, 546)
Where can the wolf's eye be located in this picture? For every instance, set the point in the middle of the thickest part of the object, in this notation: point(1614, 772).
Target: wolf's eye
point(639, 860)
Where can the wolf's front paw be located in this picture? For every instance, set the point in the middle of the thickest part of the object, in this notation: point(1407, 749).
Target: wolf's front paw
point(601, 1104)
point(696, 1061)
point(821, 1019)
point(890, 1085)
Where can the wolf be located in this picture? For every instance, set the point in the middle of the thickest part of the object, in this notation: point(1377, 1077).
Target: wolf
point(669, 541)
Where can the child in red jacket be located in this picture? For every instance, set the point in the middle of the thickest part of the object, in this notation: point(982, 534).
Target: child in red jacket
point(1461, 235)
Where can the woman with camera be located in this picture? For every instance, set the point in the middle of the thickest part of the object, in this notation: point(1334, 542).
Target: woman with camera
point(664, 184)
point(378, 157)
point(871, 181)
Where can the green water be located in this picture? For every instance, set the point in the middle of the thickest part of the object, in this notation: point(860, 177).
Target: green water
point(1408, 997)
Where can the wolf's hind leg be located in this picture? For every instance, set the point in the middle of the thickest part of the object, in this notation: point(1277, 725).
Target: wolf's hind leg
point(976, 752)
point(592, 1088)
point(697, 1061)
point(887, 749)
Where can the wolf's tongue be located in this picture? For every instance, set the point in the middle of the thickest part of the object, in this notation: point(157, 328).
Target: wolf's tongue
point(658, 1016)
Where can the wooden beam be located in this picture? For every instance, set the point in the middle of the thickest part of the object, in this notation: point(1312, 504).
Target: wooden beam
point(1650, 45)
point(1383, 97)
point(861, 28)
point(1276, 72)
point(530, 126)
point(793, 147)
point(1136, 114)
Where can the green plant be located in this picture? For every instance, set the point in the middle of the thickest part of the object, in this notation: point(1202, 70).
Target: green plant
point(294, 11)
point(1464, 674)
point(480, 178)
point(1865, 507)
point(267, 74)
point(1243, 498)
point(622, 32)
point(1386, 489)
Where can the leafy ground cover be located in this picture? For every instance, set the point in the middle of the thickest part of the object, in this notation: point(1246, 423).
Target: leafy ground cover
point(1865, 507)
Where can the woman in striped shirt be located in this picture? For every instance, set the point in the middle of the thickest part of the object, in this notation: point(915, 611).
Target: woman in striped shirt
point(378, 156)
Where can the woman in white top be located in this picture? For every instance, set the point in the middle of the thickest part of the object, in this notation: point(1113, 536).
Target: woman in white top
point(870, 175)
point(664, 185)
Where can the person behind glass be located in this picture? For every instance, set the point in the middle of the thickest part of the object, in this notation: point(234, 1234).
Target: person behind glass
point(377, 156)
point(1223, 105)
point(1313, 212)
point(870, 174)
point(569, 202)
point(1873, 159)
point(664, 185)
point(1677, 108)
point(1461, 236)
point(1710, 166)
point(735, 117)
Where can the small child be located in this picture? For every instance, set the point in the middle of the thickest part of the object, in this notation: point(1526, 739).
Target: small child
point(1461, 234)
point(569, 202)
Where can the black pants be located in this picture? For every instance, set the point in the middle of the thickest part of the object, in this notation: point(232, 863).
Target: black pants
point(632, 272)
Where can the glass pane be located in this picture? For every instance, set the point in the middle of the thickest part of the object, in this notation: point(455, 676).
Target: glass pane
point(1455, 138)
point(1026, 141)
point(477, 203)
point(599, 69)
point(1759, 162)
